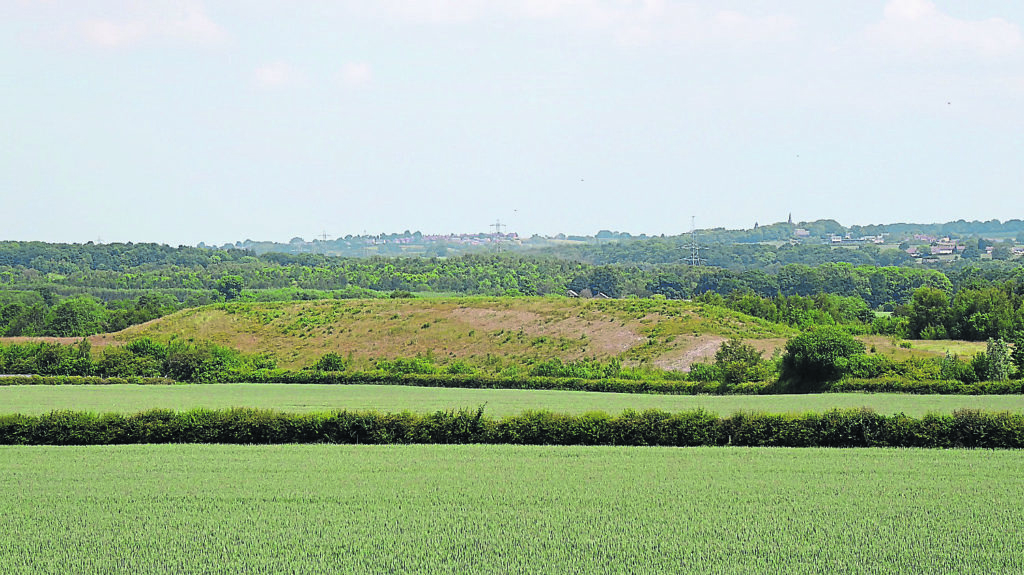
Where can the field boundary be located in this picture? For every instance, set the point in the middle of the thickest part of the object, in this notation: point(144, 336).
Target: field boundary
point(834, 428)
point(607, 385)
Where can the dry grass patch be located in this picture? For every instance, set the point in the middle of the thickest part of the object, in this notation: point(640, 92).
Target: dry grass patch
point(477, 330)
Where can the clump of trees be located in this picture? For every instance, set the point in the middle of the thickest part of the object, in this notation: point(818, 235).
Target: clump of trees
point(141, 358)
point(975, 314)
point(44, 313)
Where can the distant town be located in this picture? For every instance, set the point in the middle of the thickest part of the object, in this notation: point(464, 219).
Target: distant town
point(925, 243)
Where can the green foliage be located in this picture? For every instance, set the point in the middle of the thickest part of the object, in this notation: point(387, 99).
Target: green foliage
point(230, 286)
point(929, 313)
point(331, 361)
point(585, 369)
point(46, 359)
point(146, 347)
point(604, 279)
point(837, 428)
point(737, 361)
point(408, 366)
point(1017, 355)
point(815, 357)
point(997, 365)
point(953, 368)
point(122, 362)
point(703, 372)
point(459, 367)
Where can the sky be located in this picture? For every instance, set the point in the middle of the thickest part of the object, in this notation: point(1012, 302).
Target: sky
point(216, 121)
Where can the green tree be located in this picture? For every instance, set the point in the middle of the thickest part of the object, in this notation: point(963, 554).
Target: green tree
point(331, 361)
point(929, 308)
point(997, 368)
point(76, 318)
point(818, 356)
point(736, 360)
point(1017, 356)
point(230, 286)
point(603, 279)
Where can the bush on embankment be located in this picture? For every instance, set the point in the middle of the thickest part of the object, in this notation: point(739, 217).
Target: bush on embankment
point(837, 428)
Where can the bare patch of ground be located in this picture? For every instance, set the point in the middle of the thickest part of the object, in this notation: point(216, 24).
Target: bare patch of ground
point(610, 337)
point(97, 341)
point(699, 348)
point(768, 346)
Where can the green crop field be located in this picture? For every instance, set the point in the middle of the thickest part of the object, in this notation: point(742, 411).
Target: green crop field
point(32, 400)
point(504, 509)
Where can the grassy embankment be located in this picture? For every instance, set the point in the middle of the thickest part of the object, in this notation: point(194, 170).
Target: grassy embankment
point(31, 400)
point(503, 509)
point(480, 331)
point(486, 331)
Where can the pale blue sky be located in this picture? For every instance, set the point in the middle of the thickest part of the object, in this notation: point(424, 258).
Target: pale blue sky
point(188, 121)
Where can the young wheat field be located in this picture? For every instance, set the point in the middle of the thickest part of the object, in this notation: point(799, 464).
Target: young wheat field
point(505, 509)
point(38, 399)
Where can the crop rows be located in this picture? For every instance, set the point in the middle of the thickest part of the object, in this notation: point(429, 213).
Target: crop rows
point(503, 509)
point(499, 402)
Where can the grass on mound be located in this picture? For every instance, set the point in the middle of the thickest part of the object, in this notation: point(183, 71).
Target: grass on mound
point(33, 400)
point(503, 509)
point(486, 332)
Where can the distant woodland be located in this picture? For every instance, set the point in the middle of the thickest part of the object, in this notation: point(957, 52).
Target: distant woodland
point(974, 293)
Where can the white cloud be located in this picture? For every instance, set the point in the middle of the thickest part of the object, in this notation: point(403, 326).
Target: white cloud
point(274, 75)
point(187, 22)
point(918, 27)
point(356, 74)
point(629, 22)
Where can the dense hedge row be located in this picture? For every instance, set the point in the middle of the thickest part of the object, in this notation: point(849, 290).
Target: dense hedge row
point(480, 381)
point(80, 380)
point(838, 428)
point(940, 386)
point(474, 381)
point(670, 387)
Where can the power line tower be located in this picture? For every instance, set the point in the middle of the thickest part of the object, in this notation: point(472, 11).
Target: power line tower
point(694, 259)
point(323, 237)
point(497, 225)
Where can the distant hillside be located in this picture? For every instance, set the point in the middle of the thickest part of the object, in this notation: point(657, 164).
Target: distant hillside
point(433, 245)
point(667, 334)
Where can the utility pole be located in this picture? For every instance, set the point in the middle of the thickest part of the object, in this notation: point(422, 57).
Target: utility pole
point(694, 259)
point(497, 225)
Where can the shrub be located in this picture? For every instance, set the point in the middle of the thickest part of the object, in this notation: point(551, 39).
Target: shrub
point(121, 362)
point(459, 367)
point(704, 372)
point(331, 361)
point(737, 361)
point(399, 366)
point(818, 356)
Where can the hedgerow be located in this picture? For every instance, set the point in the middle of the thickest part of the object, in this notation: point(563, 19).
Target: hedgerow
point(836, 428)
point(479, 381)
